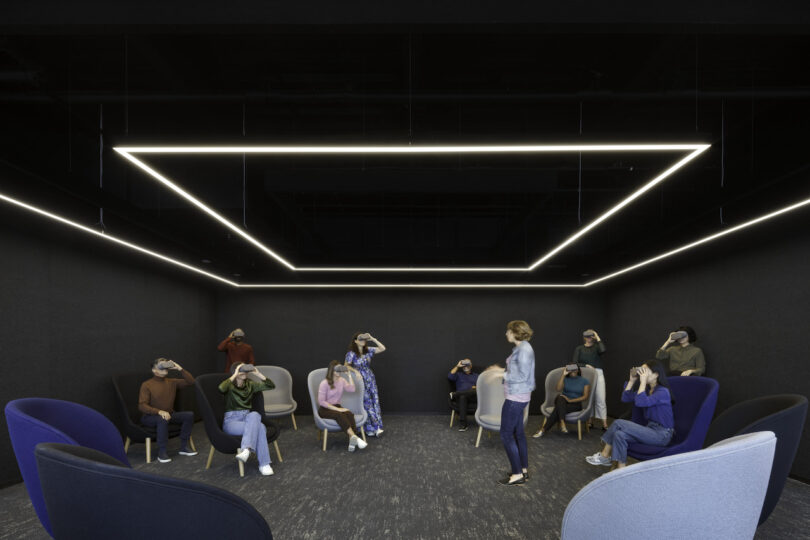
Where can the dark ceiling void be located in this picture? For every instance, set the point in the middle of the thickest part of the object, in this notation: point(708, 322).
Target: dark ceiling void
point(67, 100)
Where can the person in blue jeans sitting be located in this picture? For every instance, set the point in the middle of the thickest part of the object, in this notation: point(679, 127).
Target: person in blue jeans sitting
point(518, 383)
point(574, 391)
point(653, 422)
point(462, 374)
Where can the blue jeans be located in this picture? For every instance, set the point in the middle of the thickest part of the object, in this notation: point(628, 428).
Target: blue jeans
point(249, 425)
point(513, 436)
point(184, 418)
point(623, 432)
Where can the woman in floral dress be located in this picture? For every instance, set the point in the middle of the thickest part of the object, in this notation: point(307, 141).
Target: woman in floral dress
point(359, 357)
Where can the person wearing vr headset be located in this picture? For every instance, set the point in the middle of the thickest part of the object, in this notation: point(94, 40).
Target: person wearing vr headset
point(653, 422)
point(574, 390)
point(329, 393)
point(590, 353)
point(236, 350)
point(359, 357)
point(156, 402)
point(683, 358)
point(465, 389)
point(241, 420)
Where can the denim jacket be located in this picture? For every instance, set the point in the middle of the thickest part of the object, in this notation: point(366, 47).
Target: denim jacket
point(520, 373)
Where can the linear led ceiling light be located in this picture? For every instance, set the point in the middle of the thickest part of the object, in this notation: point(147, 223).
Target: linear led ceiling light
point(129, 152)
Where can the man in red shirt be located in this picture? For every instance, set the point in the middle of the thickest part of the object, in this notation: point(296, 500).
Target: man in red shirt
point(236, 350)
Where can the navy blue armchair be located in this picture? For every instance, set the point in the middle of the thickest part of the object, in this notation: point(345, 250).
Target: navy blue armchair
point(695, 401)
point(35, 420)
point(90, 495)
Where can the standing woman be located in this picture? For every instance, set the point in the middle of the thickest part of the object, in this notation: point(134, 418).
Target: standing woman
point(359, 357)
point(518, 380)
point(590, 353)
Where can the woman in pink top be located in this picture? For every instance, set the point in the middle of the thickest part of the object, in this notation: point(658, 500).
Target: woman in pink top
point(329, 393)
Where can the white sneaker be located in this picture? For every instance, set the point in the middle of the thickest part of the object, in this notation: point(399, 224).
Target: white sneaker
point(353, 443)
point(378, 433)
point(243, 454)
point(361, 443)
point(266, 470)
point(598, 459)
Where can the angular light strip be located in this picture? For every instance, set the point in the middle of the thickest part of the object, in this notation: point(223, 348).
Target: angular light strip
point(412, 286)
point(127, 152)
point(702, 241)
point(114, 240)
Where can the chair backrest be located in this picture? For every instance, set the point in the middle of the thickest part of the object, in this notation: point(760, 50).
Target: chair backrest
point(717, 492)
point(282, 393)
point(490, 393)
point(351, 400)
point(551, 388)
point(784, 414)
point(88, 495)
point(35, 420)
point(695, 401)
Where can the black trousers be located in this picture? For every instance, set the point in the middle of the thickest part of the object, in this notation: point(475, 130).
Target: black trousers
point(561, 408)
point(463, 399)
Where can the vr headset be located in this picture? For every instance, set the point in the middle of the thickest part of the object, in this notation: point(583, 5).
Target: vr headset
point(588, 333)
point(165, 364)
point(680, 334)
point(341, 369)
point(246, 368)
point(572, 367)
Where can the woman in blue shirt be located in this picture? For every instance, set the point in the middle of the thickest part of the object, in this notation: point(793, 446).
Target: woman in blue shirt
point(574, 390)
point(653, 423)
point(518, 381)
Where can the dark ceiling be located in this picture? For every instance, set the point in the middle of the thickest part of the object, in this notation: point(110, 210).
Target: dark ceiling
point(68, 96)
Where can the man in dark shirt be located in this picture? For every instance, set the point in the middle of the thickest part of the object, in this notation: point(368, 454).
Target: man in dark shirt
point(156, 402)
point(465, 389)
point(236, 350)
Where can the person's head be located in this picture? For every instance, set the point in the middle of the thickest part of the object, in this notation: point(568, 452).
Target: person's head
point(358, 345)
point(330, 373)
point(573, 373)
point(157, 370)
point(238, 335)
point(691, 335)
point(588, 337)
point(466, 365)
point(658, 375)
point(518, 331)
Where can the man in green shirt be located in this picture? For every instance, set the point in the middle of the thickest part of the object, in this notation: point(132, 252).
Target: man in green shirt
point(684, 358)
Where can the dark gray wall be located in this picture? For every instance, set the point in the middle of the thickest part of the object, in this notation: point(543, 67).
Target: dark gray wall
point(75, 313)
point(750, 307)
point(425, 332)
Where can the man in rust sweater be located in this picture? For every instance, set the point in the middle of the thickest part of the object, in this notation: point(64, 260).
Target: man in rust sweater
point(156, 402)
point(236, 350)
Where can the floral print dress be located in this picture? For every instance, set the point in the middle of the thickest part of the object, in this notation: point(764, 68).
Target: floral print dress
point(371, 399)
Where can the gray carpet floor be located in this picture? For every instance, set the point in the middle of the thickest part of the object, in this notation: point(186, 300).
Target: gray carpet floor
point(420, 479)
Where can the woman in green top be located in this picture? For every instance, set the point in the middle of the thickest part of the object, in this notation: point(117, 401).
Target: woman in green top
point(590, 353)
point(241, 420)
point(574, 390)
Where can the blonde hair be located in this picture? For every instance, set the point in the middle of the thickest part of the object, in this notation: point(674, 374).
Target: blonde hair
point(521, 330)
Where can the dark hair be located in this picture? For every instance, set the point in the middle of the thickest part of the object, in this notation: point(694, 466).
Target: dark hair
point(690, 331)
point(330, 373)
point(354, 348)
point(658, 368)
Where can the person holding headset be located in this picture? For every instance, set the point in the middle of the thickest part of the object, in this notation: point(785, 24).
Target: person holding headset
point(683, 358)
point(574, 390)
point(329, 393)
point(462, 374)
point(359, 357)
point(590, 353)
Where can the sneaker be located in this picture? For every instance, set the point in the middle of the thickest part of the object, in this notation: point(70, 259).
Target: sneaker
point(378, 433)
point(361, 443)
point(266, 470)
point(462, 427)
point(538, 434)
point(452, 394)
point(243, 454)
point(598, 459)
point(353, 443)
point(506, 482)
point(163, 457)
point(187, 452)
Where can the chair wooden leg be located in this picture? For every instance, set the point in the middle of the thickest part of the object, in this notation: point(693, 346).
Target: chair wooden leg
point(148, 450)
point(545, 418)
point(126, 445)
point(241, 468)
point(452, 415)
point(587, 427)
point(278, 452)
point(295, 426)
point(363, 431)
point(191, 443)
point(319, 433)
point(579, 429)
point(210, 457)
point(478, 439)
point(324, 439)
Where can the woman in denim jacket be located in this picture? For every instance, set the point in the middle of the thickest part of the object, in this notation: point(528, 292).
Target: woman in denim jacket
point(518, 381)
